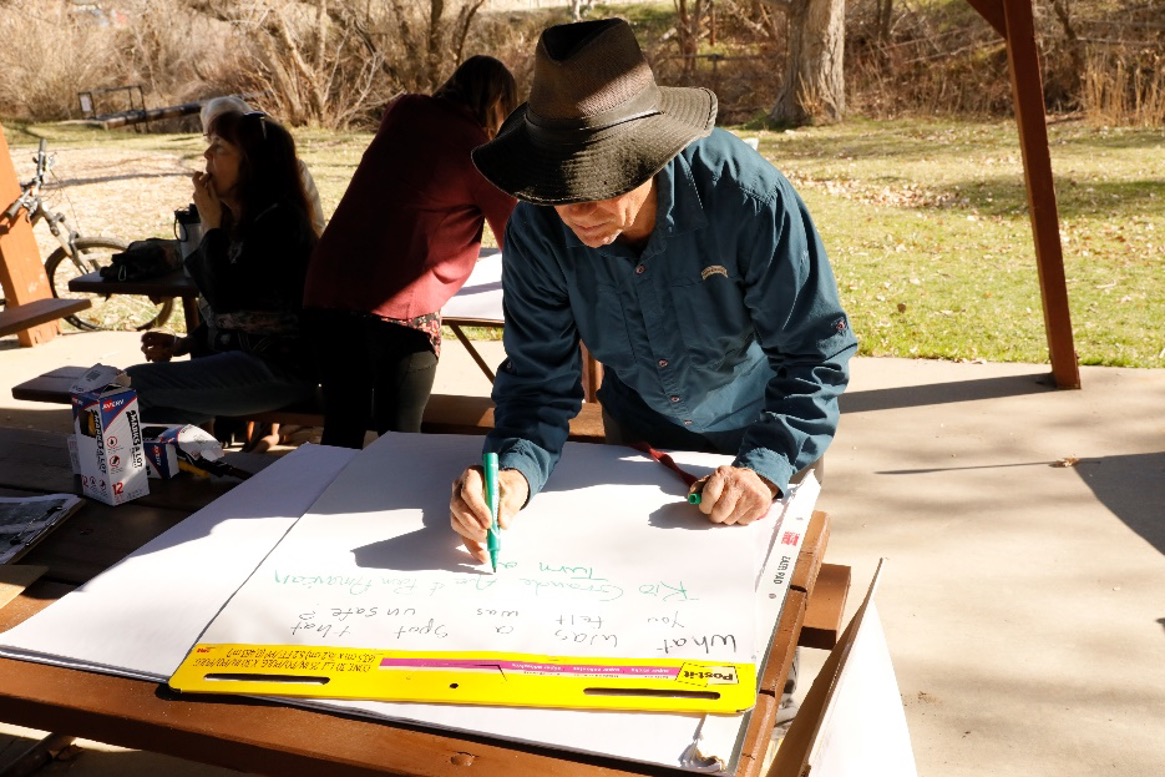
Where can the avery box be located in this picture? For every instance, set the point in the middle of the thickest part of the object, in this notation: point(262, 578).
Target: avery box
point(167, 445)
point(108, 434)
point(158, 442)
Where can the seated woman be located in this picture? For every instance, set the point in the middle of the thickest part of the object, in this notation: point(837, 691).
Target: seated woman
point(248, 355)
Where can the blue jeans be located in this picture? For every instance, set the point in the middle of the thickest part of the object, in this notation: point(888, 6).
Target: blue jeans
point(232, 383)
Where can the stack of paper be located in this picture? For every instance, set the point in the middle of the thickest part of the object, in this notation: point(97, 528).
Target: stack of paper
point(374, 537)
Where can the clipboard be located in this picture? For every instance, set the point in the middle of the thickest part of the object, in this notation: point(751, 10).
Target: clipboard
point(474, 677)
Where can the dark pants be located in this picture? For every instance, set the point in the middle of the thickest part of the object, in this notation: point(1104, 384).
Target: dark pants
point(372, 373)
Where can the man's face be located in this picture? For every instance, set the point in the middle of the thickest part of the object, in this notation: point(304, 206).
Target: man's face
point(598, 223)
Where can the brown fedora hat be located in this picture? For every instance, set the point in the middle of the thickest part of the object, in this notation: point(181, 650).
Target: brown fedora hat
point(596, 125)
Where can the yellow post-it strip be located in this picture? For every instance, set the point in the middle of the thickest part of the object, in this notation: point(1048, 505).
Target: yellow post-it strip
point(482, 678)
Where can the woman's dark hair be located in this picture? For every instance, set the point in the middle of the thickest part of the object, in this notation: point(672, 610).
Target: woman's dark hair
point(269, 170)
point(477, 84)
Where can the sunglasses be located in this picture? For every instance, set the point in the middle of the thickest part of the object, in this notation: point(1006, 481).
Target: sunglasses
point(263, 122)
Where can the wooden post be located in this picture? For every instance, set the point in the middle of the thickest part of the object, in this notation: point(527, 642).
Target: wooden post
point(21, 271)
point(1028, 93)
point(1013, 20)
point(591, 372)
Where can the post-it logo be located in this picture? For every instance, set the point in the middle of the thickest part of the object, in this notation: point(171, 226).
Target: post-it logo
point(707, 675)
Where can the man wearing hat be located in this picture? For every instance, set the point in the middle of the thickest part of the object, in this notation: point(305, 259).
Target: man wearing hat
point(683, 260)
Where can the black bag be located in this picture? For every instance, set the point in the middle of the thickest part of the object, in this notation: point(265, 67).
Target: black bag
point(144, 260)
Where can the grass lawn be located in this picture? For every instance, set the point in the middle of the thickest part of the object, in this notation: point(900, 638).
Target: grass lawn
point(927, 226)
point(925, 222)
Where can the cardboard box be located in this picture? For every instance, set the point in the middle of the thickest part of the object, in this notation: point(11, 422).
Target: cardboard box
point(108, 434)
point(71, 442)
point(159, 444)
point(167, 445)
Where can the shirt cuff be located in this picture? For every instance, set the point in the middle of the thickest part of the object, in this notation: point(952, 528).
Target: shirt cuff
point(768, 464)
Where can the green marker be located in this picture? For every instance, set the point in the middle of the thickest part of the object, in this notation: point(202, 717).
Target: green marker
point(491, 479)
point(696, 495)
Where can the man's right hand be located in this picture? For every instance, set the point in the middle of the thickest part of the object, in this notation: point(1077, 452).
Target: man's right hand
point(470, 516)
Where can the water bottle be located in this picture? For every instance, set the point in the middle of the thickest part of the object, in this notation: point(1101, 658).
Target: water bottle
point(188, 229)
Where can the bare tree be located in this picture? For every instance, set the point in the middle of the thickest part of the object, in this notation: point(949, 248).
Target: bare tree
point(331, 62)
point(813, 83)
point(577, 8)
point(883, 20)
point(688, 30)
point(1070, 82)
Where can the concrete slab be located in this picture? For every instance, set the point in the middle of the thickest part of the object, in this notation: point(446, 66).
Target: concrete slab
point(1024, 594)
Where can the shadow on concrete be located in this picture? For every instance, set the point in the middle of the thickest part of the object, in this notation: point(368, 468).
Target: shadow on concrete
point(1133, 488)
point(945, 393)
point(54, 418)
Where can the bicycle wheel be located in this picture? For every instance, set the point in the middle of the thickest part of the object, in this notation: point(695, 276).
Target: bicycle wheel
point(110, 313)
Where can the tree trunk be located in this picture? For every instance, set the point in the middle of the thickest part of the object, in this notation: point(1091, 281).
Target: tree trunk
point(687, 45)
point(813, 88)
point(1076, 51)
point(435, 65)
point(884, 20)
point(577, 8)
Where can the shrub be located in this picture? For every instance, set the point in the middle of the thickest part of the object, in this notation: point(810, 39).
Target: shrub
point(334, 63)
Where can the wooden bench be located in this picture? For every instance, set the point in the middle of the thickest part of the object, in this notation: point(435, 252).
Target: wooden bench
point(30, 310)
point(445, 413)
point(18, 317)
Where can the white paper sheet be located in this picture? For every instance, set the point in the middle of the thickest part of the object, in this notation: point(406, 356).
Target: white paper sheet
point(142, 616)
point(864, 733)
point(609, 561)
point(482, 296)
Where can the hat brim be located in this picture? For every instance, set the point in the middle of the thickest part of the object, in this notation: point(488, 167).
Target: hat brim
point(602, 165)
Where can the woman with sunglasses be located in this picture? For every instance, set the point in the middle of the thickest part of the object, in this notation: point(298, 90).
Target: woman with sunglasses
point(248, 355)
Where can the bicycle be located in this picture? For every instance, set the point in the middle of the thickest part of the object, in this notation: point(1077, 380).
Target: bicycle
point(80, 255)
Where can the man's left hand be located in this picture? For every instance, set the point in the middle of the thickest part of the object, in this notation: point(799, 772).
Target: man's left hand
point(735, 495)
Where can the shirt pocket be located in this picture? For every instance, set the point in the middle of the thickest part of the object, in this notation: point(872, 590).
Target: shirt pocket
point(605, 328)
point(712, 319)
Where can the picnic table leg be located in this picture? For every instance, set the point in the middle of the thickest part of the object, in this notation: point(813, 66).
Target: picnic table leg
point(191, 314)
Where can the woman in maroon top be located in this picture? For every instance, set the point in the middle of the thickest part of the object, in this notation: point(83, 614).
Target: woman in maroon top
point(401, 243)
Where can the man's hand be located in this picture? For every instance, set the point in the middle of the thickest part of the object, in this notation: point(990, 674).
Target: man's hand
point(160, 346)
point(735, 495)
point(470, 515)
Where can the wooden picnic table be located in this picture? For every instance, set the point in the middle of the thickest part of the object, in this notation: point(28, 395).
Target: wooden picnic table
point(173, 285)
point(479, 304)
point(265, 737)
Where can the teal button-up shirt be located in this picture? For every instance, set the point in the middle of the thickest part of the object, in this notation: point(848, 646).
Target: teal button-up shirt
point(727, 322)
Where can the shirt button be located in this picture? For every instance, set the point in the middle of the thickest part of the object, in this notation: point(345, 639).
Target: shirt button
point(676, 399)
point(663, 362)
point(688, 422)
point(641, 268)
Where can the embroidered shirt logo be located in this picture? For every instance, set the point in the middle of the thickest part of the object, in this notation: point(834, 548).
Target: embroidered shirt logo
point(710, 270)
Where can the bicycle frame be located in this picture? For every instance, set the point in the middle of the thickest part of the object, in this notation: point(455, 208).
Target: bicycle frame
point(80, 255)
point(67, 238)
point(31, 201)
